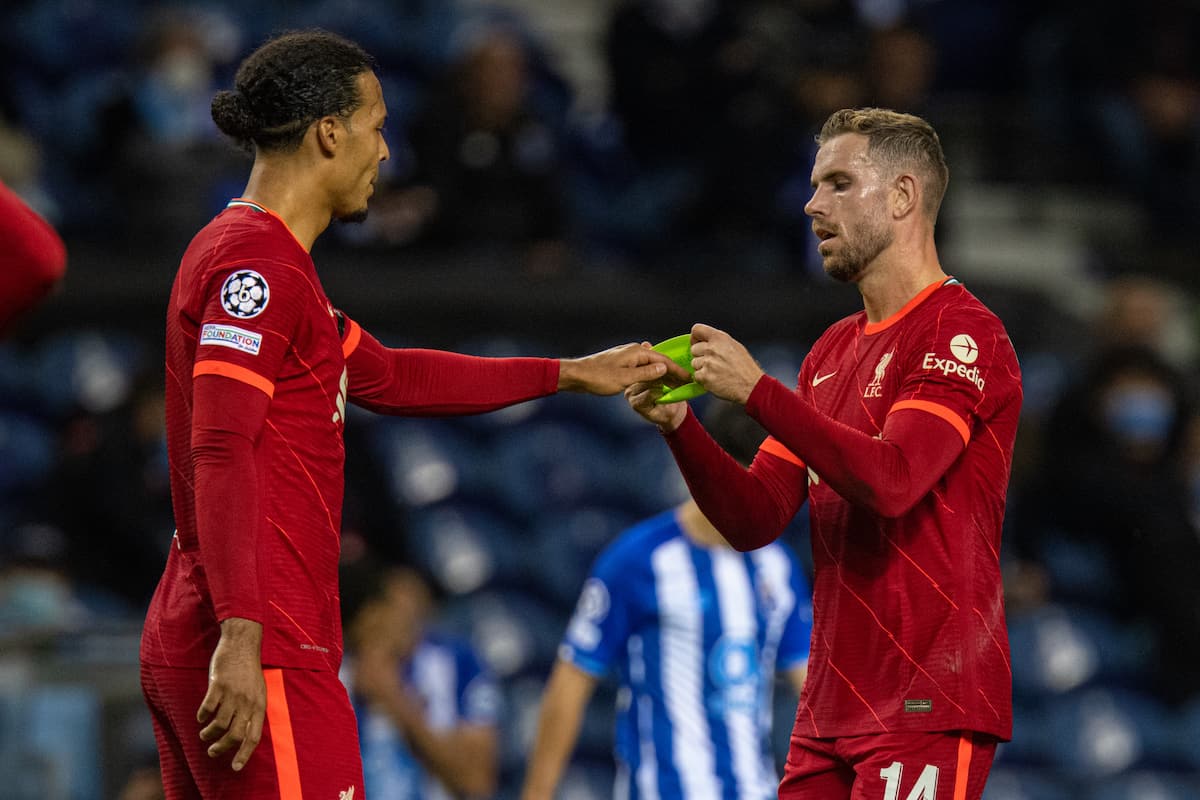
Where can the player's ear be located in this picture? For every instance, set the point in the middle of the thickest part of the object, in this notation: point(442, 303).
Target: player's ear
point(905, 194)
point(329, 131)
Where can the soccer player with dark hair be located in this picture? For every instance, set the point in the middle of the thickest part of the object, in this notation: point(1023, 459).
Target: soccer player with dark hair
point(242, 641)
point(32, 257)
point(900, 435)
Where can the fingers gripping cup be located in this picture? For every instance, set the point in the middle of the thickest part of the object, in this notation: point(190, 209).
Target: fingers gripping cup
point(679, 350)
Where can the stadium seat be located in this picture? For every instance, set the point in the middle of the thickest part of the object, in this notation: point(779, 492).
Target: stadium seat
point(430, 461)
point(86, 369)
point(461, 545)
point(779, 359)
point(1028, 747)
point(513, 631)
point(1057, 649)
point(28, 450)
point(649, 476)
point(1011, 783)
point(566, 542)
point(1097, 732)
point(551, 464)
point(610, 417)
point(1186, 737)
point(63, 732)
point(1079, 571)
point(1148, 785)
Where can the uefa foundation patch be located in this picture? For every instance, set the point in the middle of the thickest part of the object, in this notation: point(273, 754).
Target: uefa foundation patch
point(229, 336)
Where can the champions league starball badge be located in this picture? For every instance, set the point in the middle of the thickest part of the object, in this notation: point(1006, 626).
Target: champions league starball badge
point(245, 294)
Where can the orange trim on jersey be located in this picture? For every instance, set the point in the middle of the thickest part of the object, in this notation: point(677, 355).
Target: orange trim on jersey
point(883, 325)
point(938, 411)
point(775, 447)
point(353, 337)
point(227, 370)
point(269, 212)
point(966, 744)
point(283, 741)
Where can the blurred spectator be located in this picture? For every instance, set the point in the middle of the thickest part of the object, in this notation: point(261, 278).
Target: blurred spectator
point(1114, 479)
point(487, 163)
point(1150, 115)
point(1123, 90)
point(36, 594)
point(427, 709)
point(172, 169)
point(110, 497)
point(900, 69)
point(1149, 312)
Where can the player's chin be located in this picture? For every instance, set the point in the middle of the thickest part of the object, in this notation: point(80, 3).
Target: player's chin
point(357, 215)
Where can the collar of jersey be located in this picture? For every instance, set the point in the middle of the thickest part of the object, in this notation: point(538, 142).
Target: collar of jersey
point(242, 202)
point(883, 325)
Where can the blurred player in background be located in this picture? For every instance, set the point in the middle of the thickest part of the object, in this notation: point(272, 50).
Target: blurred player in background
point(695, 632)
point(900, 435)
point(32, 257)
point(242, 641)
point(427, 707)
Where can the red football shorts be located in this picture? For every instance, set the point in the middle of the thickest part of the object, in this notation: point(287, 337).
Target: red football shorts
point(309, 745)
point(892, 766)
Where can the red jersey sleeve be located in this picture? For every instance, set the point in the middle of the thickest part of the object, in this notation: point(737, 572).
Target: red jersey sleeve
point(32, 256)
point(750, 507)
point(887, 474)
point(250, 313)
point(417, 382)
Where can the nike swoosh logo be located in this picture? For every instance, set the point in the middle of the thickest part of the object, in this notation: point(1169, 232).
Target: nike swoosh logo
point(817, 381)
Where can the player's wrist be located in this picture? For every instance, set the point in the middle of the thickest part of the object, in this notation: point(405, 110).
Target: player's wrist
point(239, 630)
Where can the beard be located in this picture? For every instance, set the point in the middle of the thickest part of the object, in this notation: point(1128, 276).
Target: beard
point(848, 265)
point(353, 217)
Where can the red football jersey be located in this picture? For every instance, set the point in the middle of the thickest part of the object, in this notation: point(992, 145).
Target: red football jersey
point(247, 305)
point(900, 435)
point(909, 631)
point(259, 369)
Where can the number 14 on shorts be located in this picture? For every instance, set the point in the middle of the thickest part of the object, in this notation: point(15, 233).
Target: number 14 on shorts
point(924, 789)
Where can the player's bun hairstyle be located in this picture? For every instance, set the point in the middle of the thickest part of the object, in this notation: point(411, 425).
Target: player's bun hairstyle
point(904, 141)
point(287, 84)
point(736, 431)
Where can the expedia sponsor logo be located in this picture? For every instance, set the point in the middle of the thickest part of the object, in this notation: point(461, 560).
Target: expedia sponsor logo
point(230, 336)
point(948, 366)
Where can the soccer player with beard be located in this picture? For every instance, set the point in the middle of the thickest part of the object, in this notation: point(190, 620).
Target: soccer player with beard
point(242, 641)
point(900, 435)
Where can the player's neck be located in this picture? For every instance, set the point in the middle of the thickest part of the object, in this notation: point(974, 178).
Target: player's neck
point(697, 527)
point(897, 276)
point(284, 186)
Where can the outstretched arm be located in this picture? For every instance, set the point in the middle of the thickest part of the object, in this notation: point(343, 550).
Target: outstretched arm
point(419, 382)
point(566, 696)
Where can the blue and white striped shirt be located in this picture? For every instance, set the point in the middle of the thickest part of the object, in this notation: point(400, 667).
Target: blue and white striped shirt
point(454, 688)
point(695, 634)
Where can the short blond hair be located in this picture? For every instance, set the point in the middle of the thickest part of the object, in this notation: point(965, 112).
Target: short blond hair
point(902, 141)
